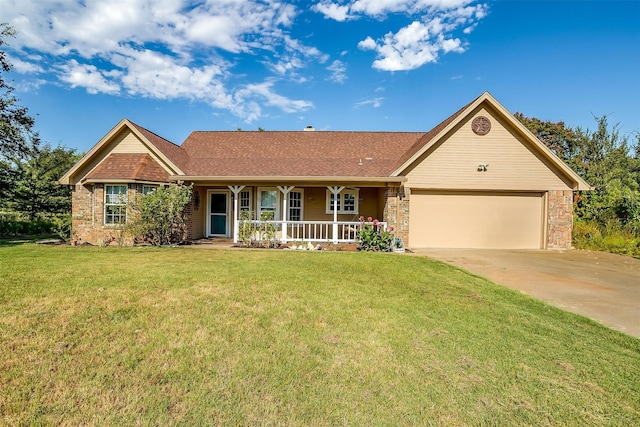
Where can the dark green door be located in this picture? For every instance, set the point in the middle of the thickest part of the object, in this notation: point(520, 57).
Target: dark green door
point(218, 214)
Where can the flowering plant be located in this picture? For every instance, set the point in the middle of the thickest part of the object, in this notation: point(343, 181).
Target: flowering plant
point(372, 236)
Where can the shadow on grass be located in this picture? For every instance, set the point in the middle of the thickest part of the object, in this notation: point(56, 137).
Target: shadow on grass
point(38, 238)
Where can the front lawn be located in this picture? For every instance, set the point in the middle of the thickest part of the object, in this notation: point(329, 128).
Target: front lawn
point(149, 336)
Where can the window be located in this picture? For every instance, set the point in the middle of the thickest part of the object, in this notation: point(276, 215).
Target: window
point(146, 189)
point(268, 201)
point(244, 200)
point(347, 202)
point(115, 204)
point(295, 205)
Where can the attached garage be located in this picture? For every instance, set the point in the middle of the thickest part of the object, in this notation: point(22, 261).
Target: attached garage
point(499, 220)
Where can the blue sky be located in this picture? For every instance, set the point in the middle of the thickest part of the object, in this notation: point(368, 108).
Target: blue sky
point(174, 66)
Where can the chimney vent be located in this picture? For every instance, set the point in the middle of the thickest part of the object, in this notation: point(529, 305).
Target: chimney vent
point(309, 129)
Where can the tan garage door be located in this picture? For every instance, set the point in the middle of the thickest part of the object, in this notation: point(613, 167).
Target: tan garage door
point(476, 220)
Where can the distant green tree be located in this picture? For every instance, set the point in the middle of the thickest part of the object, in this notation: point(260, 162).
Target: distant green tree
point(33, 176)
point(16, 125)
point(610, 165)
point(607, 160)
point(29, 168)
point(561, 139)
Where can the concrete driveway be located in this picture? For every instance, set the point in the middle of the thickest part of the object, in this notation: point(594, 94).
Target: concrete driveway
point(602, 286)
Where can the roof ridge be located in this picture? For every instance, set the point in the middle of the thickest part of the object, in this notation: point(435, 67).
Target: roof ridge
point(153, 133)
point(309, 133)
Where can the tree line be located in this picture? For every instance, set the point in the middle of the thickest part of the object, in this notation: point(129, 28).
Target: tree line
point(31, 201)
point(607, 160)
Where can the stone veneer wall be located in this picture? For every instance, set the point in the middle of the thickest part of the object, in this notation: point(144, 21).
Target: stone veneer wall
point(396, 212)
point(559, 219)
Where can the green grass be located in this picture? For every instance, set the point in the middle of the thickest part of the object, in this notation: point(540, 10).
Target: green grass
point(149, 336)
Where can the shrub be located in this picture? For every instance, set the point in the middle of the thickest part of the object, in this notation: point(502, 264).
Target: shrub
point(16, 224)
point(372, 237)
point(61, 226)
point(262, 234)
point(158, 217)
point(611, 237)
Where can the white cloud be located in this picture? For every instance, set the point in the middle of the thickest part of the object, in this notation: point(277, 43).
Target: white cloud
point(375, 102)
point(161, 49)
point(87, 76)
point(333, 11)
point(338, 71)
point(23, 67)
point(421, 41)
point(264, 91)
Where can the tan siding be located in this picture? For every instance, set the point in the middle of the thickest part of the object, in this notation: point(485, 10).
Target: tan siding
point(198, 218)
point(124, 142)
point(128, 142)
point(513, 163)
point(315, 205)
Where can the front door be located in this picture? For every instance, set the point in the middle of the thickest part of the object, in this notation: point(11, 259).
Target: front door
point(218, 214)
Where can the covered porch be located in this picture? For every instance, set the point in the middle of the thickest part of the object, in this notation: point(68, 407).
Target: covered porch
point(292, 211)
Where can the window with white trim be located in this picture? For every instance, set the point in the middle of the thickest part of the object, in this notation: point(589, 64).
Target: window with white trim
point(115, 204)
point(268, 201)
point(295, 205)
point(244, 201)
point(347, 202)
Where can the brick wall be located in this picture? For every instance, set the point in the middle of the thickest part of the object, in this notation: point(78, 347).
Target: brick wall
point(560, 219)
point(396, 212)
point(87, 216)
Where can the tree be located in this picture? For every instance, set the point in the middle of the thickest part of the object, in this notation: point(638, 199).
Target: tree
point(33, 189)
point(609, 166)
point(158, 217)
point(29, 168)
point(16, 125)
point(606, 160)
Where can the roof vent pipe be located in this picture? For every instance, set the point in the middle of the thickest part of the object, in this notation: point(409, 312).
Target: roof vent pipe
point(309, 129)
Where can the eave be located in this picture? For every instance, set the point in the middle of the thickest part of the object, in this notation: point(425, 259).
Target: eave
point(314, 180)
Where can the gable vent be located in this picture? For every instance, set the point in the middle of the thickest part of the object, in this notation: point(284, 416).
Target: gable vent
point(309, 129)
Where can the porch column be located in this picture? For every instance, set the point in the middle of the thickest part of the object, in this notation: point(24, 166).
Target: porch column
point(335, 190)
point(235, 189)
point(285, 209)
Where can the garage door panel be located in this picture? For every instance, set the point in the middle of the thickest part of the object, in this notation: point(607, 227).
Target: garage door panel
point(468, 220)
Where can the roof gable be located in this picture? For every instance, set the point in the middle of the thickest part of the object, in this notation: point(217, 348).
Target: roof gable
point(162, 151)
point(441, 131)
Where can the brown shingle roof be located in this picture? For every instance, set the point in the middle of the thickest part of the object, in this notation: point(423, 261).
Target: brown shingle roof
point(296, 153)
point(172, 151)
point(139, 167)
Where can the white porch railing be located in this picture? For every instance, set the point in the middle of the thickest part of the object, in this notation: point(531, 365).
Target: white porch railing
point(304, 231)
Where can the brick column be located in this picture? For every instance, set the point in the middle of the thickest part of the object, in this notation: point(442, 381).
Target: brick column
point(559, 219)
point(396, 212)
point(81, 215)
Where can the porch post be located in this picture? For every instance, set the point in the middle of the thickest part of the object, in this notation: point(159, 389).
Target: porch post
point(336, 191)
point(235, 189)
point(285, 211)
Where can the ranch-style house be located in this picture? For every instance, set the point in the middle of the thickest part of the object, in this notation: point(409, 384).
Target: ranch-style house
point(479, 179)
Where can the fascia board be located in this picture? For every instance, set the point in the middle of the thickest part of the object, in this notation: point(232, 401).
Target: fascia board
point(439, 136)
